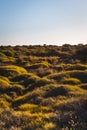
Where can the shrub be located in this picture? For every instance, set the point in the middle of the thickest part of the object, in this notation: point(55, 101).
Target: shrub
point(5, 79)
point(28, 107)
point(4, 104)
point(25, 77)
point(16, 88)
point(7, 98)
point(81, 75)
point(11, 70)
point(2, 54)
point(61, 90)
point(8, 53)
point(38, 65)
point(84, 85)
point(56, 91)
point(76, 67)
point(33, 108)
point(78, 74)
point(29, 97)
point(72, 81)
point(4, 86)
point(50, 126)
point(43, 81)
point(3, 83)
point(43, 72)
point(69, 67)
point(31, 80)
point(58, 76)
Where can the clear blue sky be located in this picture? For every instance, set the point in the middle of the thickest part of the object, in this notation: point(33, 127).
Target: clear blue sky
point(43, 22)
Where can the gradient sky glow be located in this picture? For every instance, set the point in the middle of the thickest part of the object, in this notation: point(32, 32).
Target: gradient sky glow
point(57, 22)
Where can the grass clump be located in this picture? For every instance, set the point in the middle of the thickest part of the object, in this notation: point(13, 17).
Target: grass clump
point(3, 83)
point(12, 70)
point(83, 86)
point(8, 53)
point(50, 126)
point(33, 108)
point(78, 74)
point(78, 66)
point(5, 79)
point(29, 97)
point(25, 77)
point(61, 90)
point(81, 75)
point(38, 65)
point(56, 91)
point(72, 81)
point(43, 82)
point(4, 104)
point(28, 107)
point(4, 86)
point(16, 88)
point(70, 67)
point(2, 54)
point(58, 76)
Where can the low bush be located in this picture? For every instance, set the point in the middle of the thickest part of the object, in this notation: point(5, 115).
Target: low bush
point(72, 81)
point(11, 70)
point(8, 53)
point(29, 97)
point(38, 65)
point(69, 67)
point(4, 104)
point(57, 91)
point(42, 82)
point(3, 84)
point(81, 75)
point(83, 86)
point(33, 108)
point(58, 76)
point(2, 54)
point(78, 74)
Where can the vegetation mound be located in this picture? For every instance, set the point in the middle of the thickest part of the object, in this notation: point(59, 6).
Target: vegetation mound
point(11, 70)
point(43, 87)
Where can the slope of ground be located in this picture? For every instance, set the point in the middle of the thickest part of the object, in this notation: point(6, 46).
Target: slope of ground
point(43, 87)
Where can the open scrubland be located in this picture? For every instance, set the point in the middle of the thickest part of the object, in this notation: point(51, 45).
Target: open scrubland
point(43, 87)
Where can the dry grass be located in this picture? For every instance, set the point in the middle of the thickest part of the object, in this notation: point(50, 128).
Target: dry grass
point(43, 88)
